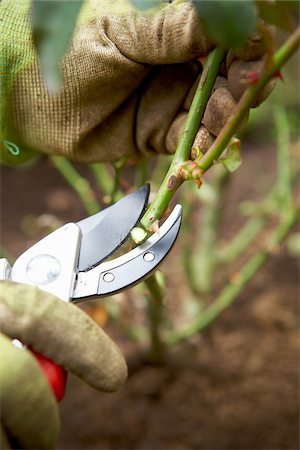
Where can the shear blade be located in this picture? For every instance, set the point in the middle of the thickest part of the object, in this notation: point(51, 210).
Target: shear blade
point(104, 232)
point(127, 270)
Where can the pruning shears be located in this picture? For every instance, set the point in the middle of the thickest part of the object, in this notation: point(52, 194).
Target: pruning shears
point(75, 262)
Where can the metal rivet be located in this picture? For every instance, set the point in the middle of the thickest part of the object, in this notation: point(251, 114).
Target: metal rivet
point(108, 277)
point(149, 256)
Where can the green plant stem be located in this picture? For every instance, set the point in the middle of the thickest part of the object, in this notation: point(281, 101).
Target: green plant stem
point(233, 289)
point(103, 177)
point(155, 312)
point(160, 169)
point(250, 230)
point(243, 106)
point(80, 185)
point(137, 333)
point(278, 200)
point(165, 193)
point(192, 124)
point(204, 253)
point(242, 240)
point(188, 205)
point(118, 166)
point(141, 173)
point(284, 175)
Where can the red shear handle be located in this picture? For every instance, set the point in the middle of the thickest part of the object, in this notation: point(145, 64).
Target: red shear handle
point(55, 374)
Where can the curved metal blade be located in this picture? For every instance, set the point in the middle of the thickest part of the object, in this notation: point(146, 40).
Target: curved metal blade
point(121, 273)
point(104, 232)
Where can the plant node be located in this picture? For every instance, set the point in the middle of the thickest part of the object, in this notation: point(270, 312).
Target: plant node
point(190, 170)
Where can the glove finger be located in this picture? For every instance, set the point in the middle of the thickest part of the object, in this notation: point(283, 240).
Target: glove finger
point(63, 333)
point(219, 108)
point(256, 46)
point(220, 82)
point(160, 103)
point(253, 49)
point(141, 123)
point(240, 74)
point(202, 142)
point(173, 35)
point(29, 411)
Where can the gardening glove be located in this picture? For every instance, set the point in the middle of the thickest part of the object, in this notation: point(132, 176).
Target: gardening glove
point(62, 332)
point(128, 83)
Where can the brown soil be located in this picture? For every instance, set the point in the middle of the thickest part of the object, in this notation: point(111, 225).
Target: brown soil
point(234, 386)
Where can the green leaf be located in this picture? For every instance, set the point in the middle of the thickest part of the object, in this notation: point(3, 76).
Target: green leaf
point(276, 13)
point(143, 5)
point(232, 157)
point(229, 23)
point(53, 22)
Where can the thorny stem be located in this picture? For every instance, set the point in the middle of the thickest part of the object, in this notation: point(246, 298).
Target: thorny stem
point(171, 181)
point(279, 198)
point(243, 106)
point(232, 290)
point(80, 185)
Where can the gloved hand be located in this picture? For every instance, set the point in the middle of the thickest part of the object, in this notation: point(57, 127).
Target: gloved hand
point(65, 334)
point(129, 79)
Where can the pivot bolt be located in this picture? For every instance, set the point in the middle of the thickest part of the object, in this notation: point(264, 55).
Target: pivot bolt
point(43, 269)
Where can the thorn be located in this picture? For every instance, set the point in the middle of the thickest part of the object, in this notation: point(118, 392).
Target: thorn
point(279, 75)
point(202, 59)
point(154, 228)
point(198, 183)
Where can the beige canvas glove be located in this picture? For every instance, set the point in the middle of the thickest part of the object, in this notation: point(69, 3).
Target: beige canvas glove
point(65, 334)
point(128, 83)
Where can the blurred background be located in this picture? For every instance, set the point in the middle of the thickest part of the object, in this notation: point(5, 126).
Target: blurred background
point(213, 351)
